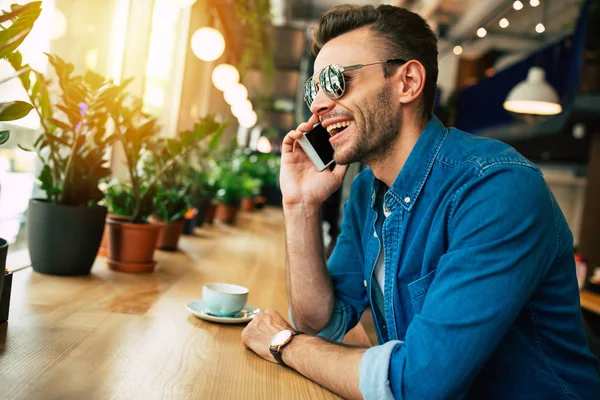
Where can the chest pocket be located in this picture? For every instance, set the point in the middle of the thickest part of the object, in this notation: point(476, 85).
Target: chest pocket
point(418, 289)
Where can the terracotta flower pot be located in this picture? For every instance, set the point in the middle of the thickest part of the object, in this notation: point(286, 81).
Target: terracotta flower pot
point(210, 213)
point(169, 235)
point(226, 213)
point(103, 250)
point(248, 204)
point(131, 246)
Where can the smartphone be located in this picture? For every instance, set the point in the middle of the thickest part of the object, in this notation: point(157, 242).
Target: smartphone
point(315, 144)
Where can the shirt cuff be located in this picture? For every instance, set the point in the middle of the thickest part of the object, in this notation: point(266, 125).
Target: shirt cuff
point(336, 328)
point(374, 371)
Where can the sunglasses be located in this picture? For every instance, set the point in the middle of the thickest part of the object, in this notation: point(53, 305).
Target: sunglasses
point(333, 82)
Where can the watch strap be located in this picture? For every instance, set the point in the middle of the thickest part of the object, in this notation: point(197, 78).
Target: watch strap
point(276, 350)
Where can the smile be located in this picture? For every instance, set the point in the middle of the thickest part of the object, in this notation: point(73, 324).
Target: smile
point(334, 129)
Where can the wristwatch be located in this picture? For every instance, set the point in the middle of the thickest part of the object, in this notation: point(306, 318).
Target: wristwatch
point(279, 341)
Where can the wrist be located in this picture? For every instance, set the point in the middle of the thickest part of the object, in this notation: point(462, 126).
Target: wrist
point(294, 349)
point(302, 209)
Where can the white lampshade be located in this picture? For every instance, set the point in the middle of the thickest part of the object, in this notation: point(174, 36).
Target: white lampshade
point(208, 44)
point(224, 76)
point(242, 108)
point(236, 94)
point(248, 121)
point(533, 96)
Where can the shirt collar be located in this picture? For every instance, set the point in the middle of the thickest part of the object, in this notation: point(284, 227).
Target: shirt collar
point(411, 179)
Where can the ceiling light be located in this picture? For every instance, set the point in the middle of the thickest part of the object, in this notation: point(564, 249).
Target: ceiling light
point(236, 94)
point(533, 96)
point(481, 32)
point(248, 121)
point(540, 28)
point(208, 44)
point(224, 76)
point(458, 50)
point(503, 23)
point(517, 5)
point(534, 3)
point(241, 108)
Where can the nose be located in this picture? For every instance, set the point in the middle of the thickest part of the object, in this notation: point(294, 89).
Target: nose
point(321, 103)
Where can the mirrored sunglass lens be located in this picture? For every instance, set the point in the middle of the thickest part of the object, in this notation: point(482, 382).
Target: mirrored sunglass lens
point(332, 81)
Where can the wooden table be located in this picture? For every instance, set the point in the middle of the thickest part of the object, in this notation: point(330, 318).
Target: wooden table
point(590, 301)
point(119, 336)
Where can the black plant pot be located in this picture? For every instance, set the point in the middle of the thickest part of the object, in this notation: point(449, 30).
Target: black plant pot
point(64, 240)
point(5, 296)
point(3, 254)
point(202, 210)
point(189, 225)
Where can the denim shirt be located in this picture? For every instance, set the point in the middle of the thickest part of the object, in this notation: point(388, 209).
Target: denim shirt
point(481, 296)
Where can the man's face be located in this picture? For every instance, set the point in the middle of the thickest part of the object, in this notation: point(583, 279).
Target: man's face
point(367, 104)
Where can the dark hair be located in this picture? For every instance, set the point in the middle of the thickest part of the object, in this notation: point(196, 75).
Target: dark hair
point(406, 34)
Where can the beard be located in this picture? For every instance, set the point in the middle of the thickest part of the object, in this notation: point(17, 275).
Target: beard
point(374, 133)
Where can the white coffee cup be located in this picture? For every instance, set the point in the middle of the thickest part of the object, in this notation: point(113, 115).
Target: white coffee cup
point(224, 299)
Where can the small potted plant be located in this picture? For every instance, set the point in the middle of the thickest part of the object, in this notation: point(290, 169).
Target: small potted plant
point(230, 192)
point(250, 191)
point(132, 243)
point(172, 198)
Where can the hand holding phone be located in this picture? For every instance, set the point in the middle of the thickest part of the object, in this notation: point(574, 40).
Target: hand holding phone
point(301, 183)
point(315, 144)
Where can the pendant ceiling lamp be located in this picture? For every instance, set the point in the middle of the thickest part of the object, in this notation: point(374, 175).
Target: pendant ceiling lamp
point(208, 44)
point(533, 96)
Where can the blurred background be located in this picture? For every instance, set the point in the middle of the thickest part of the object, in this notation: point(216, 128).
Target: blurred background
point(187, 57)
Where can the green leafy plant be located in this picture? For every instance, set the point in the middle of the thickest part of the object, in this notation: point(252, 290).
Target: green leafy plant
point(171, 203)
point(172, 198)
point(22, 18)
point(136, 131)
point(74, 141)
point(258, 52)
point(231, 187)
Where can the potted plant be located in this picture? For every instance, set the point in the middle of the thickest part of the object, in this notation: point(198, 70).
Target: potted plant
point(203, 185)
point(230, 192)
point(172, 198)
point(72, 148)
point(132, 243)
point(250, 191)
point(22, 18)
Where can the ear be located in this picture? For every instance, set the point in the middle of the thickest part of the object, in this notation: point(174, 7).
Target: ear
point(411, 81)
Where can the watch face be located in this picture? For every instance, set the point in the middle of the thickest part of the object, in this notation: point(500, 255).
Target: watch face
point(281, 338)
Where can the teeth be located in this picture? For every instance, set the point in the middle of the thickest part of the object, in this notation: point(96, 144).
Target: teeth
point(339, 125)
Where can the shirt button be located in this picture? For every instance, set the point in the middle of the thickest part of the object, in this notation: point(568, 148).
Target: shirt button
point(407, 199)
point(375, 233)
point(365, 282)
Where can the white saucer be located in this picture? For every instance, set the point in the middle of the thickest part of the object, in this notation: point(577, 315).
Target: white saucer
point(197, 308)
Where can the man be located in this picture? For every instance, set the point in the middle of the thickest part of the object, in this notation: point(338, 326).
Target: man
point(454, 241)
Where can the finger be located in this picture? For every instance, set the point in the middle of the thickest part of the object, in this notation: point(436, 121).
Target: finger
point(289, 141)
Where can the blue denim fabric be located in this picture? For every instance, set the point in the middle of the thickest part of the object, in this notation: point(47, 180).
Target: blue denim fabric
point(481, 297)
